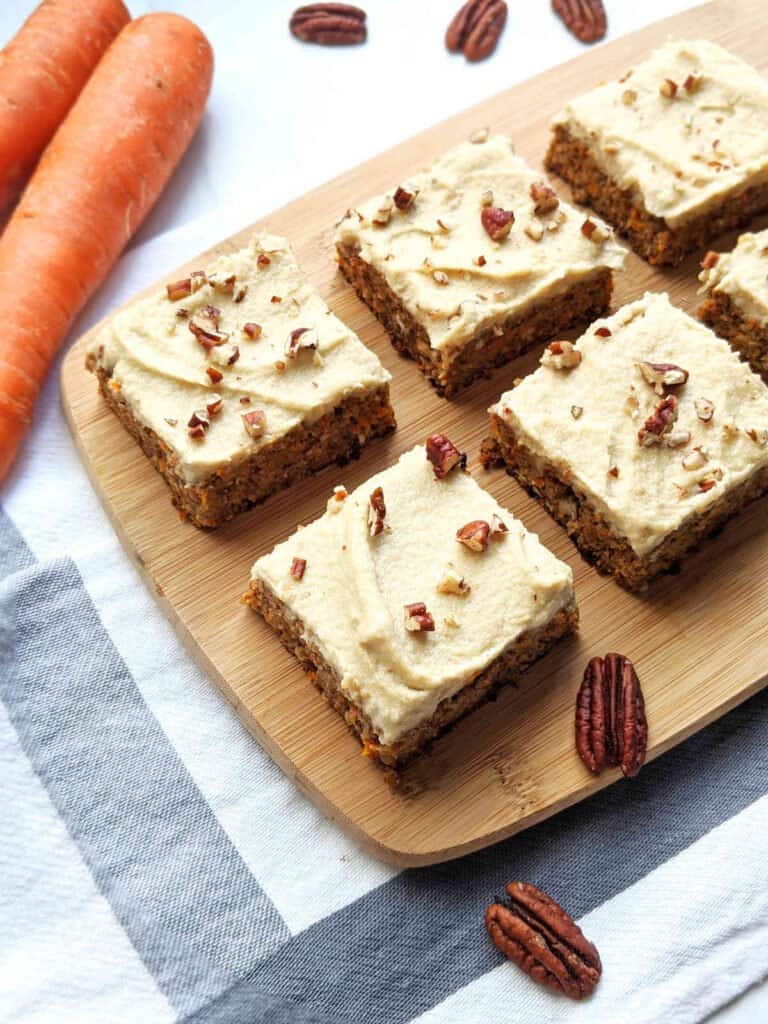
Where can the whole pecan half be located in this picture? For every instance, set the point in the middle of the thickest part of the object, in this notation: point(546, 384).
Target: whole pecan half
point(329, 24)
point(583, 18)
point(611, 727)
point(543, 940)
point(476, 27)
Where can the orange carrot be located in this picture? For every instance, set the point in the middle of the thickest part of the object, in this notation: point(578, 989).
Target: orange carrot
point(99, 177)
point(42, 70)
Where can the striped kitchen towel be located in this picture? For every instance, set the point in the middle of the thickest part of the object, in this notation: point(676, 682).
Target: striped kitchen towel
point(155, 866)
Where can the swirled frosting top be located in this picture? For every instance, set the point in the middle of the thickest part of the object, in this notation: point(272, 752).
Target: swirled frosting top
point(352, 595)
point(587, 420)
point(166, 372)
point(683, 128)
point(441, 262)
point(742, 275)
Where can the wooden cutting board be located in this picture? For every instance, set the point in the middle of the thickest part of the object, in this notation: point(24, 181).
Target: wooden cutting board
point(699, 639)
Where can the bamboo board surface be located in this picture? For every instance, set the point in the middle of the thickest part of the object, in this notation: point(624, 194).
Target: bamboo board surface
point(699, 639)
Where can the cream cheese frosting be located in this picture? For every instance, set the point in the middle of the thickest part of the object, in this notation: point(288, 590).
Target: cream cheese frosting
point(443, 266)
point(162, 369)
point(585, 420)
point(682, 147)
point(354, 589)
point(742, 275)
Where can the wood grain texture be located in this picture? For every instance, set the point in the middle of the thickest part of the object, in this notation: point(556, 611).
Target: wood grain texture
point(698, 639)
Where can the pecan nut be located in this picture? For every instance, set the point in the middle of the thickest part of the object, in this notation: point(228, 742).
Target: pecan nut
point(377, 512)
point(534, 931)
point(497, 222)
point(659, 424)
point(476, 27)
point(329, 24)
point(417, 618)
point(584, 19)
point(444, 455)
point(663, 375)
point(611, 727)
point(474, 535)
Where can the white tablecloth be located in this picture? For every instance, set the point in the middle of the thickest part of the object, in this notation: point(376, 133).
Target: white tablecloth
point(87, 929)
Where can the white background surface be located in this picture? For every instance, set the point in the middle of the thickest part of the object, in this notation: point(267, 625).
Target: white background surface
point(284, 117)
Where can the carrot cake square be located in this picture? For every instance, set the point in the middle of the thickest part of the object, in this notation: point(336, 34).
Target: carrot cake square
point(237, 381)
point(672, 154)
point(641, 438)
point(736, 307)
point(474, 260)
point(412, 599)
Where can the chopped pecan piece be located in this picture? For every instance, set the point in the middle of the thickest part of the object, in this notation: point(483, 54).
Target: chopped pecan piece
point(255, 422)
point(663, 375)
point(198, 423)
point(707, 485)
point(594, 232)
point(329, 24)
point(403, 198)
point(417, 618)
point(535, 933)
point(383, 214)
point(705, 409)
point(377, 512)
point(214, 404)
point(444, 455)
point(301, 338)
point(692, 83)
point(452, 582)
point(659, 423)
point(611, 727)
point(676, 438)
point(252, 331)
point(214, 374)
point(474, 535)
point(577, 411)
point(498, 526)
point(225, 286)
point(298, 568)
point(628, 97)
point(710, 260)
point(602, 332)
point(760, 437)
point(181, 289)
point(205, 327)
point(544, 198)
point(668, 89)
point(226, 355)
point(497, 222)
point(695, 459)
point(560, 355)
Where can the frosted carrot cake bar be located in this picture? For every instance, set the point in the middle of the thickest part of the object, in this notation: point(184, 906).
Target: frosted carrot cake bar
point(736, 307)
point(412, 599)
point(672, 154)
point(238, 381)
point(474, 260)
point(640, 438)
